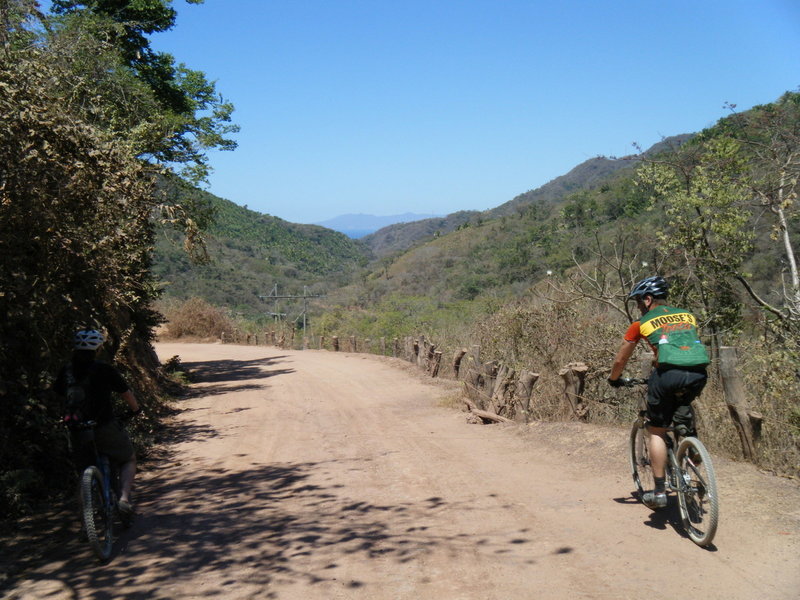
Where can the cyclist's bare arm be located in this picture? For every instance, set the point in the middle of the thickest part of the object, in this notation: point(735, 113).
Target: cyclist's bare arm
point(623, 355)
point(130, 399)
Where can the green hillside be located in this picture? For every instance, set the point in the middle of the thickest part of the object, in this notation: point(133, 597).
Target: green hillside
point(601, 208)
point(588, 175)
point(250, 252)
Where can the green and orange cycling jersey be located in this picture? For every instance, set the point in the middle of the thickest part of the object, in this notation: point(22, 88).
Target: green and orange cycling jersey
point(672, 334)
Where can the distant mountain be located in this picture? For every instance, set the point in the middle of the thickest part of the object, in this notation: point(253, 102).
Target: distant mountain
point(359, 225)
point(399, 237)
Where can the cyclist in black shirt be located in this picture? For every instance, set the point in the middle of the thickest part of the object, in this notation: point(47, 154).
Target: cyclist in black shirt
point(99, 380)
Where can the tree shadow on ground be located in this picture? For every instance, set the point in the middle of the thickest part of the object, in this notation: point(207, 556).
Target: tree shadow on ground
point(217, 376)
point(288, 523)
point(226, 370)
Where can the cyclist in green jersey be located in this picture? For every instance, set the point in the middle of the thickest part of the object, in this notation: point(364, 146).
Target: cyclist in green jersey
point(678, 377)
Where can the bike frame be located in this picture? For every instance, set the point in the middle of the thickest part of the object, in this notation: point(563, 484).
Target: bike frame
point(103, 463)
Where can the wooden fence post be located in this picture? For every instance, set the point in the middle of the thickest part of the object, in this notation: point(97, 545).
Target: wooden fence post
point(489, 374)
point(457, 358)
point(395, 348)
point(748, 423)
point(335, 343)
point(422, 355)
point(429, 356)
point(525, 383)
point(437, 361)
point(574, 376)
point(505, 376)
point(476, 353)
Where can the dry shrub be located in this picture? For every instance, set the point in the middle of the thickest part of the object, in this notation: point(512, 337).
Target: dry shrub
point(543, 337)
point(773, 385)
point(196, 318)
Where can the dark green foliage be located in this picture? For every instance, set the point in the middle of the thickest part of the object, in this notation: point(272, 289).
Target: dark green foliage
point(175, 113)
point(75, 240)
point(250, 253)
point(77, 213)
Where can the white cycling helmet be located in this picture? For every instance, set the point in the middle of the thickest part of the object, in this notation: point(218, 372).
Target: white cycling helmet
point(88, 339)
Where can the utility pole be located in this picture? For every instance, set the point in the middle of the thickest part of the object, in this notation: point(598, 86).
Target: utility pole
point(275, 296)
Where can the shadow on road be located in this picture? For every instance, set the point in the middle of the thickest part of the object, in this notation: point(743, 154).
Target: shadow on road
point(262, 524)
point(662, 518)
point(224, 371)
point(221, 376)
point(271, 523)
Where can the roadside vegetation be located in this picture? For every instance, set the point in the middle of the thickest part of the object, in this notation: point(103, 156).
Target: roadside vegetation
point(95, 129)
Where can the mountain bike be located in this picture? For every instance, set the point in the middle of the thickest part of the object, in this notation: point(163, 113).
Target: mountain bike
point(689, 473)
point(99, 491)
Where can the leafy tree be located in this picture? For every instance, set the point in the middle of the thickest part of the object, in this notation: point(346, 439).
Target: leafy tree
point(705, 226)
point(75, 240)
point(78, 207)
point(173, 112)
point(771, 136)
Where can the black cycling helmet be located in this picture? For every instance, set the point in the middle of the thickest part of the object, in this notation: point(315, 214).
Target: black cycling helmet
point(655, 286)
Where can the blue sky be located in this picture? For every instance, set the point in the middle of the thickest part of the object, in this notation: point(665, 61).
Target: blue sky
point(379, 107)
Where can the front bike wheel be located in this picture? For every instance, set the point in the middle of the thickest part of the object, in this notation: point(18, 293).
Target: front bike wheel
point(697, 491)
point(97, 514)
point(641, 469)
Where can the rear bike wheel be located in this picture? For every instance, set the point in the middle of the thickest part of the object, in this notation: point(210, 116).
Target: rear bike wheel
point(641, 469)
point(97, 514)
point(697, 491)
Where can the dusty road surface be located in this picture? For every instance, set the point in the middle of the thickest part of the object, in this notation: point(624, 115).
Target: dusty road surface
point(317, 475)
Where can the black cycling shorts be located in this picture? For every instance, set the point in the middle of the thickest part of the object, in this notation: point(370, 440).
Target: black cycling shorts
point(113, 440)
point(670, 391)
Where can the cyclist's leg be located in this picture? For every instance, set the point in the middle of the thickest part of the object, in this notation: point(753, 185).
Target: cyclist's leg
point(127, 473)
point(658, 450)
point(692, 385)
point(113, 440)
point(660, 407)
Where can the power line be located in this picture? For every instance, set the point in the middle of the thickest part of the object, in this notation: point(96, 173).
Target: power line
point(275, 296)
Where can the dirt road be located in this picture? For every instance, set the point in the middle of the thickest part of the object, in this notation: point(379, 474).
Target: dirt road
point(320, 475)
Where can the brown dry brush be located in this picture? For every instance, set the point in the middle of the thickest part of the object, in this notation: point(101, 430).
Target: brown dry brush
point(544, 336)
point(197, 319)
point(75, 249)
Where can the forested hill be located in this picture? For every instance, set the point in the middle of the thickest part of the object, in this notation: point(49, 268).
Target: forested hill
point(395, 239)
point(250, 252)
point(588, 175)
